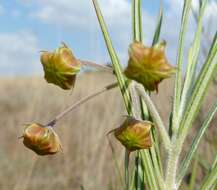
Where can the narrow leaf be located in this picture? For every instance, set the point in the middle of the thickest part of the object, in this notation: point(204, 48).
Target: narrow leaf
point(194, 173)
point(114, 58)
point(199, 90)
point(210, 180)
point(151, 178)
point(158, 27)
point(118, 72)
point(137, 20)
point(178, 81)
point(187, 160)
point(192, 60)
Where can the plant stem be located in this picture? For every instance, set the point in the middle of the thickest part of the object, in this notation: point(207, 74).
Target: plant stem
point(172, 165)
point(122, 81)
point(127, 158)
point(178, 80)
point(97, 66)
point(80, 102)
point(135, 104)
point(155, 115)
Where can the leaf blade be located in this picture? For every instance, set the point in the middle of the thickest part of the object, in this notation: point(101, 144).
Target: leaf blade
point(187, 160)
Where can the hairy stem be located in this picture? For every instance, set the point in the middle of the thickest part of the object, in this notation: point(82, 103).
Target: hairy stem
point(80, 102)
point(172, 165)
point(155, 115)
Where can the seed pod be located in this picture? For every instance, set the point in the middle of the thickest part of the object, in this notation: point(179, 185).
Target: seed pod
point(42, 140)
point(60, 67)
point(148, 65)
point(134, 134)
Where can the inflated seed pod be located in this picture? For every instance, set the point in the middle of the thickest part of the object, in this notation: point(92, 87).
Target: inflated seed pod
point(148, 65)
point(42, 140)
point(134, 134)
point(60, 67)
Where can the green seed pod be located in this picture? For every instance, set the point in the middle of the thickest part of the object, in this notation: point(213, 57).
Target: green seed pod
point(42, 140)
point(148, 65)
point(134, 134)
point(60, 67)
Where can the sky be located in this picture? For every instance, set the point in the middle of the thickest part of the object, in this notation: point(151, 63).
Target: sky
point(29, 26)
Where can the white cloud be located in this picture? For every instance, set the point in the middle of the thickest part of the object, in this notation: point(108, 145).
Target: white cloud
point(80, 16)
point(73, 13)
point(211, 17)
point(212, 9)
point(19, 53)
point(172, 24)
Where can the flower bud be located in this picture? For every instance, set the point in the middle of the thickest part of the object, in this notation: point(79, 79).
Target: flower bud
point(60, 67)
point(134, 134)
point(148, 65)
point(42, 140)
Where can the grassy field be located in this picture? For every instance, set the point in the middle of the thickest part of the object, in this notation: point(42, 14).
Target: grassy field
point(86, 159)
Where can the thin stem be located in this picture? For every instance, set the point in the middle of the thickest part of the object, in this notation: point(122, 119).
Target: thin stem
point(155, 115)
point(135, 104)
point(134, 31)
point(140, 20)
point(122, 82)
point(79, 103)
point(139, 172)
point(137, 20)
point(97, 66)
point(127, 159)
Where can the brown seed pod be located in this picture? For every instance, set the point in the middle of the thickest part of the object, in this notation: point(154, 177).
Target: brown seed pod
point(60, 67)
point(42, 140)
point(148, 65)
point(134, 134)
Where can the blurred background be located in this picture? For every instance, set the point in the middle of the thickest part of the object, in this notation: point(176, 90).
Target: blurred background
point(29, 26)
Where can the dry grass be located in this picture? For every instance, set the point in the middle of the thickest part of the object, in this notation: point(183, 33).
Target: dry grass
point(86, 159)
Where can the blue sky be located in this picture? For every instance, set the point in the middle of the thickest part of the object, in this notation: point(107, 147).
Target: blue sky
point(28, 26)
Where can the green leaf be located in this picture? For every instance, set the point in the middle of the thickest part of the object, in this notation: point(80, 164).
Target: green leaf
point(137, 20)
point(158, 27)
point(215, 161)
point(178, 81)
point(194, 173)
point(156, 153)
point(210, 180)
point(139, 180)
point(123, 85)
point(148, 168)
point(200, 89)
point(114, 58)
point(192, 60)
point(146, 175)
point(187, 160)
